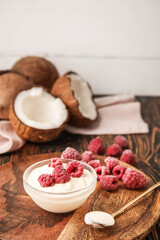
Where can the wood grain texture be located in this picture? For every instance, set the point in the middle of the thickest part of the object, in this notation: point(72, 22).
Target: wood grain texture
point(134, 223)
point(20, 215)
point(146, 146)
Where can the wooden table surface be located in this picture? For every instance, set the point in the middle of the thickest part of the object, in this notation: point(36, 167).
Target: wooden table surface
point(145, 146)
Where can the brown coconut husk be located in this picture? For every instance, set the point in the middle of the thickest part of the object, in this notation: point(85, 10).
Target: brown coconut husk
point(33, 134)
point(40, 71)
point(62, 89)
point(11, 84)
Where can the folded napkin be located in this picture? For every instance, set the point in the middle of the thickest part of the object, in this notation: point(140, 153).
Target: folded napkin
point(9, 140)
point(119, 114)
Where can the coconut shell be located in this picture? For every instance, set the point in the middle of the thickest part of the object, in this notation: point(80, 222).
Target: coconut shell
point(39, 70)
point(10, 85)
point(62, 89)
point(33, 134)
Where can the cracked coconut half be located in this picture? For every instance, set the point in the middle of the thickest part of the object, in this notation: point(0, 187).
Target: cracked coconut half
point(77, 95)
point(37, 116)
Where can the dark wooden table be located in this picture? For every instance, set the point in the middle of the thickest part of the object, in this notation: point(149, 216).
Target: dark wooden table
point(145, 146)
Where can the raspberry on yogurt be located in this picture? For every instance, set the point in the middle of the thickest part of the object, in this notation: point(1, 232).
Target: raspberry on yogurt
point(54, 162)
point(75, 169)
point(60, 175)
point(46, 180)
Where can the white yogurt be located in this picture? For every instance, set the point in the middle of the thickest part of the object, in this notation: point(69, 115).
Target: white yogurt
point(72, 185)
point(59, 198)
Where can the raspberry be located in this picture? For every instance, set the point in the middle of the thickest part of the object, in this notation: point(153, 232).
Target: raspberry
point(119, 171)
point(128, 157)
point(95, 163)
point(75, 169)
point(96, 146)
point(109, 182)
point(87, 156)
point(70, 153)
point(133, 179)
point(46, 180)
point(114, 150)
point(54, 162)
point(101, 171)
point(111, 162)
point(121, 141)
point(60, 175)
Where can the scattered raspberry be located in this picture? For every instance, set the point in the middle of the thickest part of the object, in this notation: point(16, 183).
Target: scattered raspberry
point(60, 175)
point(75, 169)
point(95, 163)
point(70, 153)
point(111, 162)
point(109, 182)
point(114, 150)
point(46, 180)
point(133, 179)
point(101, 171)
point(54, 162)
point(96, 146)
point(128, 157)
point(119, 171)
point(87, 156)
point(121, 141)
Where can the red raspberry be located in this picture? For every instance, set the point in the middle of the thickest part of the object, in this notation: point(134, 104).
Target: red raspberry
point(70, 153)
point(111, 162)
point(46, 180)
point(87, 156)
point(109, 182)
point(95, 163)
point(114, 150)
point(60, 175)
point(121, 141)
point(54, 162)
point(75, 169)
point(119, 171)
point(101, 171)
point(133, 179)
point(96, 146)
point(128, 157)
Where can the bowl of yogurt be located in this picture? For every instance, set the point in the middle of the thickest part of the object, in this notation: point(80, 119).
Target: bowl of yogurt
point(61, 197)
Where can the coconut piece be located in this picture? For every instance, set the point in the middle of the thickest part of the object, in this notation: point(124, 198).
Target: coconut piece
point(77, 95)
point(37, 116)
point(10, 84)
point(39, 70)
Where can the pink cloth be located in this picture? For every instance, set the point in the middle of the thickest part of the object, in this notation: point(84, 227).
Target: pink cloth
point(9, 140)
point(119, 114)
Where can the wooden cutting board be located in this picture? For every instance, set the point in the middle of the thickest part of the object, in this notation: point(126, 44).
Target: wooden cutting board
point(21, 218)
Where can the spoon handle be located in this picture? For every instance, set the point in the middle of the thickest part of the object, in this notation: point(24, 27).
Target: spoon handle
point(135, 199)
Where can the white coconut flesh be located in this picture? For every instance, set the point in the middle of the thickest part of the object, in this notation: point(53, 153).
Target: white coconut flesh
point(38, 109)
point(83, 95)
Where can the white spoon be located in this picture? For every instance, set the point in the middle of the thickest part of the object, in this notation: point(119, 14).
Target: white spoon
point(99, 219)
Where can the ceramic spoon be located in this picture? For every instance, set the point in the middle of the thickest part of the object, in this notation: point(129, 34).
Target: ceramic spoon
point(99, 219)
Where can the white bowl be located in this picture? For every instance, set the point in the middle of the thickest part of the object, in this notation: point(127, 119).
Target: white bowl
point(59, 202)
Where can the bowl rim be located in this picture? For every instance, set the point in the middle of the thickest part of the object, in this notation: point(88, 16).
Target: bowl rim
point(65, 193)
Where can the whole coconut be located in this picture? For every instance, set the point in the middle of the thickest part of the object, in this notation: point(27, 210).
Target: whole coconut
point(40, 71)
point(10, 84)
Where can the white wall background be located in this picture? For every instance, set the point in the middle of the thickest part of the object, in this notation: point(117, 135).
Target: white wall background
point(113, 44)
